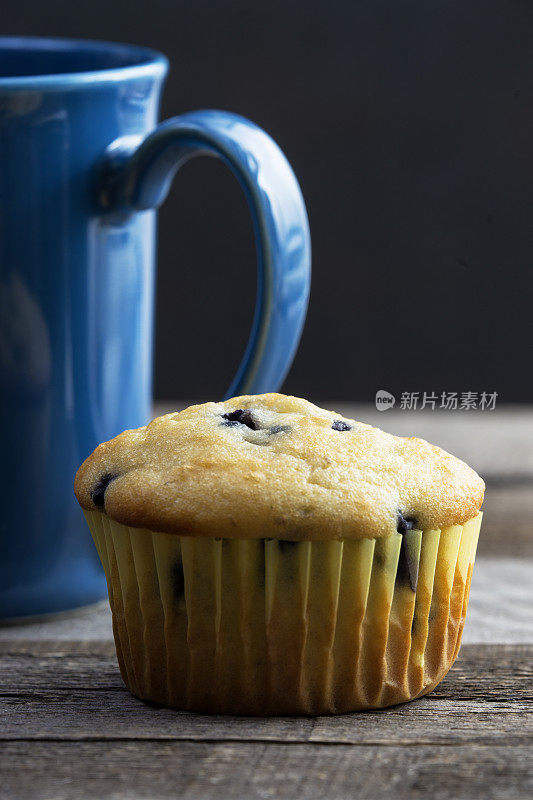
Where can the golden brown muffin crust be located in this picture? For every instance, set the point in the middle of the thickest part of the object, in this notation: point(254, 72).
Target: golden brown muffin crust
point(285, 468)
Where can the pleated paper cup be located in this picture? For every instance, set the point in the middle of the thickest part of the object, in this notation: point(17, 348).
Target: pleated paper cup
point(265, 626)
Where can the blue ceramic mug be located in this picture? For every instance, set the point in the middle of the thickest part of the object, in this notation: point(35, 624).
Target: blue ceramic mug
point(83, 166)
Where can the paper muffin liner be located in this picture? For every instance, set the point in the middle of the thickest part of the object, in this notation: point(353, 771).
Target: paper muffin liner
point(265, 626)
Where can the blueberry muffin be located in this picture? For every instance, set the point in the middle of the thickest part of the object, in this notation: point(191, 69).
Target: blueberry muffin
point(264, 556)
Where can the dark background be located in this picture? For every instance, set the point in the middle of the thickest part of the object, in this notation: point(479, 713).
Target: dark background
point(410, 127)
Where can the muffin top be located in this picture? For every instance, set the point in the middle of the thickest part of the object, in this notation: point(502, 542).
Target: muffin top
point(275, 466)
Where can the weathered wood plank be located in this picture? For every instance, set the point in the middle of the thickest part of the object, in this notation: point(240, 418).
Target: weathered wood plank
point(57, 648)
point(507, 528)
point(486, 697)
point(206, 771)
point(82, 716)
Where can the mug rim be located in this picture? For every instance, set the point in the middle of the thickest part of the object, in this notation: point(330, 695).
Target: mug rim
point(145, 63)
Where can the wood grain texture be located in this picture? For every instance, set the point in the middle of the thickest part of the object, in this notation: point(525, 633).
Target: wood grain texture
point(260, 771)
point(72, 693)
point(507, 528)
point(115, 716)
point(69, 730)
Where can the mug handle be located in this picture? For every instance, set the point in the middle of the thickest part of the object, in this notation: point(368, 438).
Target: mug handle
point(137, 176)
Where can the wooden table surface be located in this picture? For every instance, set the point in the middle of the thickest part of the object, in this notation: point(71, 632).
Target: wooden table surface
point(69, 728)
